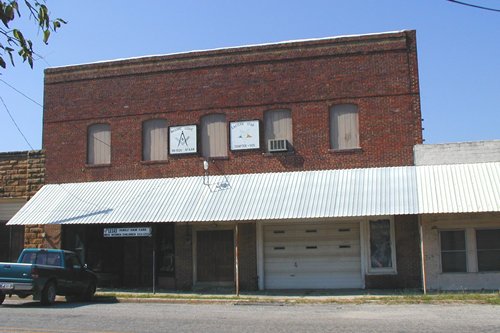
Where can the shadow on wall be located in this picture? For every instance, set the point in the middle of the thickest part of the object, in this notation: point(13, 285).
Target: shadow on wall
point(292, 161)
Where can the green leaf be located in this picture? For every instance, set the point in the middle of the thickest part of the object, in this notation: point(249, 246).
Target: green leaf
point(46, 35)
point(18, 35)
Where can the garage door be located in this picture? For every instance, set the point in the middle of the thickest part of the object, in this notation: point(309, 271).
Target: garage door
point(312, 256)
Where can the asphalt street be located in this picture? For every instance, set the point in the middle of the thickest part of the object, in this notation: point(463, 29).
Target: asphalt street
point(28, 316)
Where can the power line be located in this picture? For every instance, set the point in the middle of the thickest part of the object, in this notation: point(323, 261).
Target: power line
point(40, 105)
point(20, 92)
point(475, 6)
point(15, 124)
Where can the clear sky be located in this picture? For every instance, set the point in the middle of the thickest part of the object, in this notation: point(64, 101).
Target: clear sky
point(458, 49)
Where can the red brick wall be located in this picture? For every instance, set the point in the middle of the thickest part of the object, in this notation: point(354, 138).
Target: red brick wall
point(248, 257)
point(407, 257)
point(183, 256)
point(378, 73)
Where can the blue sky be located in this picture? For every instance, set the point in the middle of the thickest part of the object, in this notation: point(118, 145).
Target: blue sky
point(458, 49)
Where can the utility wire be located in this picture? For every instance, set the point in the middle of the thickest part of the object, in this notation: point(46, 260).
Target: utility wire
point(20, 92)
point(475, 6)
point(15, 124)
point(40, 105)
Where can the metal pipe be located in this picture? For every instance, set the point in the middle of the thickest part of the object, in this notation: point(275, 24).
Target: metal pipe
point(154, 271)
point(154, 257)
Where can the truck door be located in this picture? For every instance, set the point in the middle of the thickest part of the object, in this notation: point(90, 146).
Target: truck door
point(76, 273)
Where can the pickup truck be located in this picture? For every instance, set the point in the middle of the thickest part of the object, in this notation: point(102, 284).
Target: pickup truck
point(45, 273)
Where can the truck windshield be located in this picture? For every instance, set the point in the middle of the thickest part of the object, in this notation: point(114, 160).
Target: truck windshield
point(42, 258)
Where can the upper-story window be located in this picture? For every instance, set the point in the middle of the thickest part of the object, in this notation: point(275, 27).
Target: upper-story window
point(154, 140)
point(278, 126)
point(344, 127)
point(99, 144)
point(214, 135)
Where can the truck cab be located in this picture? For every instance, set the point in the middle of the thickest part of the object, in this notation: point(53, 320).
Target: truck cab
point(45, 273)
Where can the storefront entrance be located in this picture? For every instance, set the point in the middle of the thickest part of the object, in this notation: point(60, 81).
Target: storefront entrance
point(215, 256)
point(125, 261)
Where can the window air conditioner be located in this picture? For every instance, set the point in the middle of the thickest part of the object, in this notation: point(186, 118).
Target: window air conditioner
point(276, 145)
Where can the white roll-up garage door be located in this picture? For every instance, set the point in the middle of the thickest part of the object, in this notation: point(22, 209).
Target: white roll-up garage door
point(312, 256)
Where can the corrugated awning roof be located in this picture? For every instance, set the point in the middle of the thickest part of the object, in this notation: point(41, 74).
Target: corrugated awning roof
point(270, 196)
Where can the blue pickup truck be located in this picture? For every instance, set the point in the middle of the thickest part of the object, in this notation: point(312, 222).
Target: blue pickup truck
point(45, 273)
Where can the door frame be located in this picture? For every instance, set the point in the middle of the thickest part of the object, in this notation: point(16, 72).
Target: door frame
point(210, 227)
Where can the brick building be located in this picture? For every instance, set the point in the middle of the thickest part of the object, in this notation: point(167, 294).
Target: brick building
point(218, 155)
point(21, 176)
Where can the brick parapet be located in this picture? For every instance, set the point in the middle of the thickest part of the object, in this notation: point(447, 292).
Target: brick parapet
point(284, 51)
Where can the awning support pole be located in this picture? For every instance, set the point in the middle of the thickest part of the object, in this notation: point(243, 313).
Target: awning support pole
point(236, 261)
point(422, 255)
point(154, 259)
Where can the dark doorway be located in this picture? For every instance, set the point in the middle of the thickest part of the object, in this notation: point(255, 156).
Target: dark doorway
point(11, 241)
point(124, 261)
point(215, 256)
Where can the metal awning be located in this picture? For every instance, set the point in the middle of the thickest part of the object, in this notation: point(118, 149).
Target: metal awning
point(270, 196)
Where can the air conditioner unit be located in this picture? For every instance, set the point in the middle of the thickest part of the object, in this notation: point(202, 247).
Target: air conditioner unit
point(277, 145)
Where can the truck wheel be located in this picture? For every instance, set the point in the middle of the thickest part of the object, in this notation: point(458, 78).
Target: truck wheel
point(48, 294)
point(2, 297)
point(88, 294)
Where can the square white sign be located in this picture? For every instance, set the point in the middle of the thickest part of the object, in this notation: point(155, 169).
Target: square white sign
point(244, 135)
point(183, 139)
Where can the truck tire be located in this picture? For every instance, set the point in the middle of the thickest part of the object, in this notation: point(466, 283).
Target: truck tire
point(2, 297)
point(88, 294)
point(49, 293)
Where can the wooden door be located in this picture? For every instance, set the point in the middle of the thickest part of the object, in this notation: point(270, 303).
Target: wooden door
point(215, 256)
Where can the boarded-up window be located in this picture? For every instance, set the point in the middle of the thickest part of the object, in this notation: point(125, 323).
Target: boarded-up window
point(99, 144)
point(278, 125)
point(344, 128)
point(453, 256)
point(154, 140)
point(214, 135)
point(488, 250)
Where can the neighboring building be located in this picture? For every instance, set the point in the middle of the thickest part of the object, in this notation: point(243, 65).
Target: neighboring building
point(21, 175)
point(310, 173)
point(461, 217)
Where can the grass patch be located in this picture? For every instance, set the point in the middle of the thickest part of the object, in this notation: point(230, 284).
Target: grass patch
point(491, 298)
